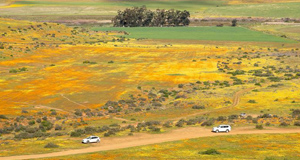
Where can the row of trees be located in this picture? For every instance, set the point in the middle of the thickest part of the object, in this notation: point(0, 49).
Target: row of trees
point(142, 17)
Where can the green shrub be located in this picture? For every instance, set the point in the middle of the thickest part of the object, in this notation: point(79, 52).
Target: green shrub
point(296, 112)
point(109, 133)
point(155, 129)
point(221, 118)
point(31, 122)
point(180, 123)
point(47, 125)
point(168, 124)
point(284, 124)
point(3, 117)
point(78, 112)
point(38, 120)
point(251, 101)
point(297, 123)
point(23, 135)
point(180, 85)
point(249, 118)
point(234, 116)
point(51, 145)
point(45, 118)
point(53, 113)
point(90, 129)
point(13, 71)
point(198, 107)
point(31, 130)
point(259, 126)
point(207, 123)
point(58, 127)
point(210, 152)
point(77, 133)
point(150, 123)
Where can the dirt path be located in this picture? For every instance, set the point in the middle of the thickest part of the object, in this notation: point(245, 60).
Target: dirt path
point(146, 139)
point(235, 101)
point(72, 101)
point(237, 96)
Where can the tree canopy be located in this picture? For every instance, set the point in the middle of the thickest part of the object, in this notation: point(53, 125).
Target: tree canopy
point(142, 17)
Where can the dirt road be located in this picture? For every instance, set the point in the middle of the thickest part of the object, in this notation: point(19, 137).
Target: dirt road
point(146, 139)
point(235, 101)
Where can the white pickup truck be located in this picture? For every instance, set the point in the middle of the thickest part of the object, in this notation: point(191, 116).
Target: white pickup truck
point(222, 128)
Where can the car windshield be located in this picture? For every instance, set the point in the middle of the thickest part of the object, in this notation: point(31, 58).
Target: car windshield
point(89, 138)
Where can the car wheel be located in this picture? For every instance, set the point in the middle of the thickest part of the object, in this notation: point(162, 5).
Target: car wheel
point(227, 131)
point(98, 141)
point(87, 141)
point(217, 131)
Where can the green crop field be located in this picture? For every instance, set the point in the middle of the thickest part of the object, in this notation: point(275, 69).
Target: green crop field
point(197, 8)
point(101, 7)
point(197, 33)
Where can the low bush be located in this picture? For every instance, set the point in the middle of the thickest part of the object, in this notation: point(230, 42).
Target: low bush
point(210, 152)
point(58, 127)
point(23, 135)
point(233, 117)
point(251, 101)
point(78, 112)
point(249, 118)
point(168, 124)
point(3, 117)
point(180, 123)
point(38, 120)
point(47, 125)
point(259, 126)
point(51, 145)
point(154, 129)
point(90, 129)
point(31, 130)
point(266, 116)
point(254, 120)
point(198, 107)
point(297, 123)
point(31, 122)
point(109, 133)
point(207, 123)
point(221, 118)
point(150, 123)
point(284, 124)
point(296, 112)
point(77, 133)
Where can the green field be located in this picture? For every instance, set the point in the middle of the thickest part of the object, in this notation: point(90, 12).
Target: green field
point(197, 33)
point(197, 8)
point(101, 8)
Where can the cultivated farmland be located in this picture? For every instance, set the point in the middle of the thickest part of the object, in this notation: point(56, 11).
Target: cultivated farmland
point(197, 33)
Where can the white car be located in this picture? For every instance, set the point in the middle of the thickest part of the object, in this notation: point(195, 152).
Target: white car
point(222, 128)
point(91, 139)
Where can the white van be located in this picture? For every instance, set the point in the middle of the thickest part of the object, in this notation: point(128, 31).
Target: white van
point(222, 128)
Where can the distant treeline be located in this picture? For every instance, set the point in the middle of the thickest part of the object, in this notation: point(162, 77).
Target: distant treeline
point(142, 17)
